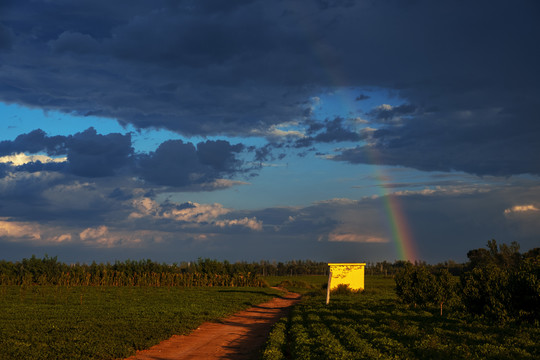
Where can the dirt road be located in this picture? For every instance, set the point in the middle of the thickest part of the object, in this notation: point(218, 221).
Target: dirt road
point(238, 337)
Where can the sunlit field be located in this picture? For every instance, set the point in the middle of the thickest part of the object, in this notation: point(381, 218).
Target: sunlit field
point(106, 322)
point(85, 322)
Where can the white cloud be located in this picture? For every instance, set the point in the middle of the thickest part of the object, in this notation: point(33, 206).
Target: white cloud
point(359, 120)
point(283, 130)
point(338, 201)
point(264, 164)
point(21, 159)
point(445, 190)
point(101, 237)
point(62, 238)
point(33, 232)
point(276, 132)
point(15, 229)
point(191, 213)
point(251, 223)
point(367, 133)
point(145, 207)
point(94, 233)
point(353, 237)
point(384, 107)
point(221, 184)
point(520, 209)
point(197, 213)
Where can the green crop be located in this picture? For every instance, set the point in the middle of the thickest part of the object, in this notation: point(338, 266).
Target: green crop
point(375, 325)
point(85, 322)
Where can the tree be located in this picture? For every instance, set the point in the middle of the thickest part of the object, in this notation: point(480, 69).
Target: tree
point(414, 285)
point(524, 287)
point(501, 283)
point(443, 288)
point(404, 284)
point(485, 291)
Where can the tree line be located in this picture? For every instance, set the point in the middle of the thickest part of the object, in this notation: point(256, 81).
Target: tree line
point(387, 268)
point(203, 272)
point(498, 283)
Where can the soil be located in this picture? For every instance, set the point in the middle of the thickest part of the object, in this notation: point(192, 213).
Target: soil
point(238, 337)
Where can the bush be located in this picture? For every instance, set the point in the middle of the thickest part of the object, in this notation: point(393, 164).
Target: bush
point(344, 289)
point(524, 287)
point(417, 285)
point(485, 291)
point(502, 284)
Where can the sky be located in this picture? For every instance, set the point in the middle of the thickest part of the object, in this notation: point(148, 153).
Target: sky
point(247, 130)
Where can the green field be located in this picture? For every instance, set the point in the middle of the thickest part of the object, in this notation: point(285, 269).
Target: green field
point(373, 325)
point(85, 322)
point(301, 284)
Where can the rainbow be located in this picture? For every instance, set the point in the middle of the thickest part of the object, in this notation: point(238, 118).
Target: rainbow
point(397, 221)
point(400, 230)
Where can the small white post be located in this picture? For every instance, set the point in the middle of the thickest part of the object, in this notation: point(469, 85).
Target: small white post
point(328, 288)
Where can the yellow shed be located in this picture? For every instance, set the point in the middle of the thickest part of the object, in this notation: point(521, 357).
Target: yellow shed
point(351, 274)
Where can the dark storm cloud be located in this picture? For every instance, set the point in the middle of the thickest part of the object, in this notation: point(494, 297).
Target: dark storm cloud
point(5, 38)
point(120, 194)
point(500, 148)
point(89, 154)
point(237, 68)
point(34, 142)
point(268, 152)
point(93, 155)
point(178, 164)
point(333, 131)
point(362, 97)
point(328, 131)
point(219, 154)
point(38, 166)
point(187, 66)
point(390, 113)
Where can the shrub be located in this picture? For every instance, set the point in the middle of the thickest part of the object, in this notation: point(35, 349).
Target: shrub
point(502, 284)
point(416, 284)
point(344, 289)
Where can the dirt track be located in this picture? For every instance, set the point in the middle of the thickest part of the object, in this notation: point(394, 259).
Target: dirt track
point(238, 337)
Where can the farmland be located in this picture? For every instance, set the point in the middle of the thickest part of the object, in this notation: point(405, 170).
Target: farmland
point(108, 322)
point(87, 322)
point(101, 311)
point(374, 325)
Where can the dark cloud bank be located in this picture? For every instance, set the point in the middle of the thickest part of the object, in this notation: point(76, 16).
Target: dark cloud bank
point(466, 70)
point(466, 73)
point(91, 155)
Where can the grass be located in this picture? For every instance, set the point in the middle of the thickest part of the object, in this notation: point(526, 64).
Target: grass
point(373, 325)
point(300, 284)
point(53, 322)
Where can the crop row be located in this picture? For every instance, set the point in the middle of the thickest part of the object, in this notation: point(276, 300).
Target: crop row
point(119, 278)
point(375, 325)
